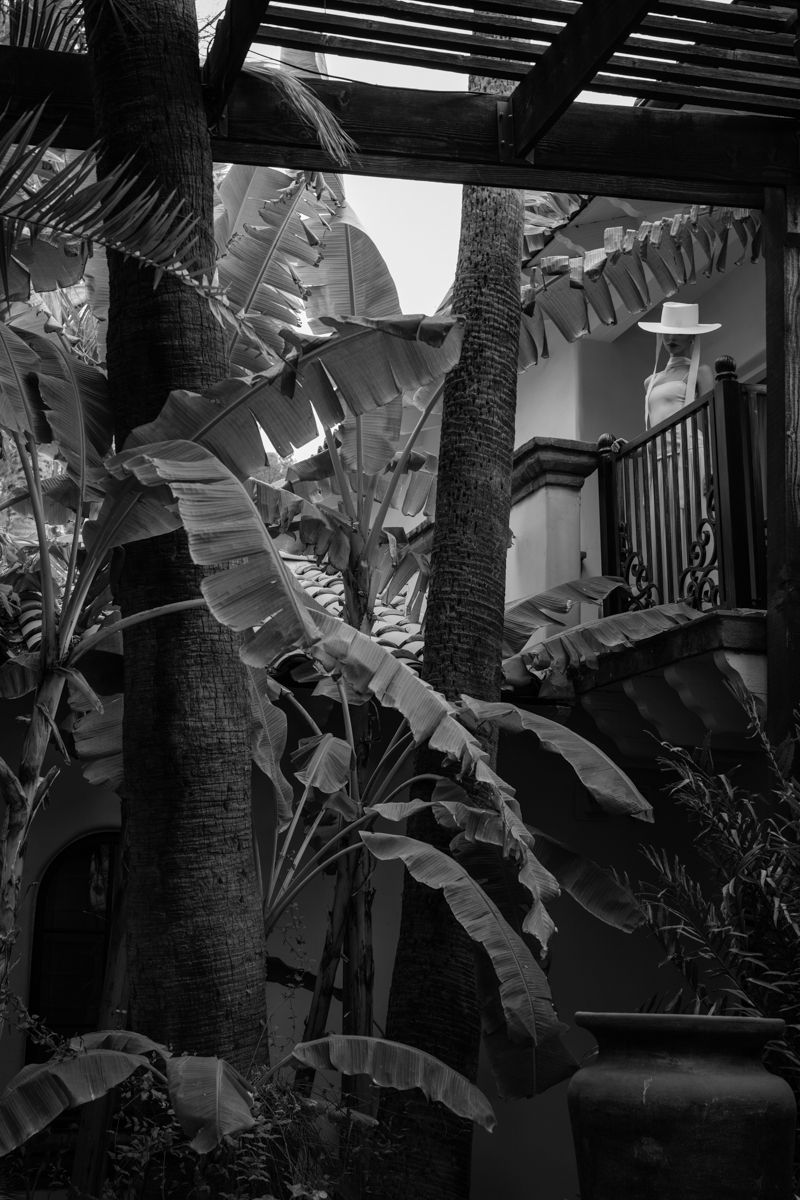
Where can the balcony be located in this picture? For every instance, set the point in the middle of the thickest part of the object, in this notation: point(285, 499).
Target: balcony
point(682, 505)
point(681, 511)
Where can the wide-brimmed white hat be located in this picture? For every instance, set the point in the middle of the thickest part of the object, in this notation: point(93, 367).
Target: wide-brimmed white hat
point(678, 318)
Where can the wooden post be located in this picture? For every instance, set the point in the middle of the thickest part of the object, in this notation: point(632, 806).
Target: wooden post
point(739, 522)
point(782, 252)
point(609, 518)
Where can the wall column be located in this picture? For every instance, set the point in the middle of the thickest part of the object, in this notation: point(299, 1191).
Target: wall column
point(546, 514)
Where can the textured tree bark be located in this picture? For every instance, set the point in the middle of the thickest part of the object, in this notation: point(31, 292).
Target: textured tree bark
point(432, 1002)
point(196, 949)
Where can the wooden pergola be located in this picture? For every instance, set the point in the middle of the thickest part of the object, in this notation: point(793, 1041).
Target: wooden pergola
point(720, 126)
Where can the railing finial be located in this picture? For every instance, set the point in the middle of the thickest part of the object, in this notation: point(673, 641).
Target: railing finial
point(725, 367)
point(605, 443)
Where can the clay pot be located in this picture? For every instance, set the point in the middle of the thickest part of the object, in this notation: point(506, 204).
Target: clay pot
point(681, 1108)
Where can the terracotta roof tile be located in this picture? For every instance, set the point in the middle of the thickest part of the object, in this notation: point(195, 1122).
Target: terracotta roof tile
point(391, 628)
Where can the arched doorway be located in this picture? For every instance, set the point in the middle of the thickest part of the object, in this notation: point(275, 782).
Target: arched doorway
point(70, 937)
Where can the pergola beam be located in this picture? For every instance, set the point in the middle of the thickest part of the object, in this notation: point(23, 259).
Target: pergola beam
point(233, 38)
point(569, 63)
point(452, 137)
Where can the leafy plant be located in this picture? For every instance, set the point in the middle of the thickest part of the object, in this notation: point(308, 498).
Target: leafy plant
point(736, 937)
point(179, 1123)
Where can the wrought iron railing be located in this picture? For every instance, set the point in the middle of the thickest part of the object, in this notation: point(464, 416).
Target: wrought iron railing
point(682, 515)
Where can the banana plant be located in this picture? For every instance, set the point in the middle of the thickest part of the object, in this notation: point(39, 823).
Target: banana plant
point(47, 395)
point(193, 464)
point(259, 594)
point(210, 1099)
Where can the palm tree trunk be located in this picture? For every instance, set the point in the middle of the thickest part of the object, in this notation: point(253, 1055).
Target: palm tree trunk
point(196, 949)
point(432, 1002)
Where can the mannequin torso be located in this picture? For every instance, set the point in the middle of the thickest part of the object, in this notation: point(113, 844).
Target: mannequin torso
point(668, 391)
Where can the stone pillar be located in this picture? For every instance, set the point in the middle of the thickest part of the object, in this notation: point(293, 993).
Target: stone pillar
point(546, 514)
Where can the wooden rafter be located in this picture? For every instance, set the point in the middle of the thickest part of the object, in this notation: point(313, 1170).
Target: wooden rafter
point(513, 25)
point(232, 41)
point(569, 64)
point(452, 137)
point(684, 52)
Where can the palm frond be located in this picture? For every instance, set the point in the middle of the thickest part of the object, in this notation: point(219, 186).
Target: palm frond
point(311, 111)
point(44, 24)
point(73, 203)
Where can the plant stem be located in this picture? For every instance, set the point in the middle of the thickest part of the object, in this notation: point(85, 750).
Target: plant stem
point(386, 503)
point(360, 468)
point(164, 610)
point(348, 829)
point(290, 210)
point(283, 901)
point(224, 413)
point(341, 478)
point(20, 794)
point(125, 502)
point(76, 533)
point(286, 694)
point(409, 783)
point(398, 738)
point(30, 468)
point(348, 730)
point(285, 848)
point(329, 962)
point(304, 846)
point(409, 750)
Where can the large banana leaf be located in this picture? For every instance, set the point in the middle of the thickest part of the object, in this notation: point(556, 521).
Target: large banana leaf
point(380, 433)
point(120, 1039)
point(18, 399)
point(520, 1069)
point(594, 888)
point(390, 1064)
point(524, 991)
point(320, 529)
point(261, 235)
point(581, 645)
point(524, 617)
point(368, 666)
point(372, 362)
point(48, 265)
point(325, 762)
point(76, 404)
point(149, 517)
point(38, 1093)
point(352, 278)
point(223, 525)
point(234, 441)
point(98, 737)
point(502, 827)
point(210, 1100)
point(602, 778)
point(268, 739)
point(20, 674)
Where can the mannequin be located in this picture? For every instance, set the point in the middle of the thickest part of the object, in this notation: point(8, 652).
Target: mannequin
point(683, 378)
point(672, 516)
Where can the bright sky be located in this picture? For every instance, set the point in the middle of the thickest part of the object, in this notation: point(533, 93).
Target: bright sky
point(414, 224)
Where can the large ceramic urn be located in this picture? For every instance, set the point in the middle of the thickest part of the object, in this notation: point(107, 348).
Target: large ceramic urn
point(681, 1108)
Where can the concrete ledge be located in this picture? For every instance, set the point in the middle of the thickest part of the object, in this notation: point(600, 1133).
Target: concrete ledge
point(551, 462)
point(734, 629)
